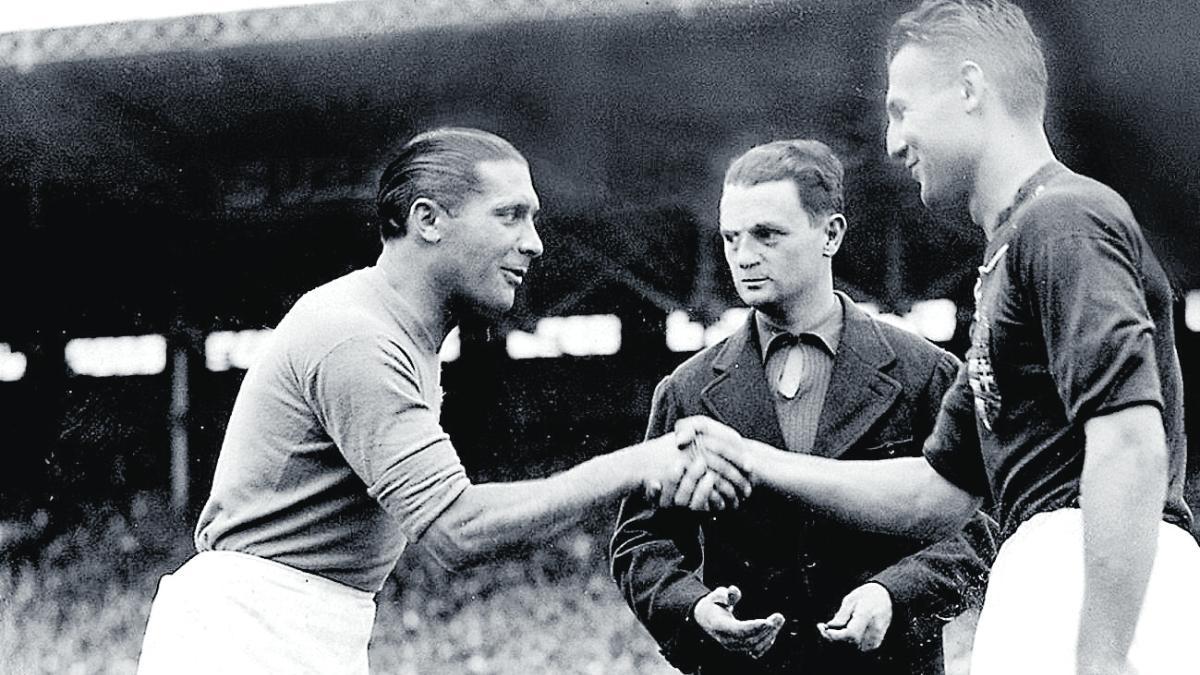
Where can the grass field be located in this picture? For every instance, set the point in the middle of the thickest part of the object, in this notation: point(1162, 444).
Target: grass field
point(79, 606)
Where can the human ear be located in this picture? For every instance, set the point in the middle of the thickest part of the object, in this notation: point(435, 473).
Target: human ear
point(424, 218)
point(835, 230)
point(972, 83)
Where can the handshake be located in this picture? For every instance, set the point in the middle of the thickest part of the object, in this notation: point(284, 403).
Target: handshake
point(704, 466)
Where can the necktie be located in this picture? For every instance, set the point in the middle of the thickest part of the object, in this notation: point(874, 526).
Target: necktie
point(788, 383)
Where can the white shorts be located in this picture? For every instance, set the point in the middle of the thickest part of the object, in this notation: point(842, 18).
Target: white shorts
point(1030, 616)
point(224, 612)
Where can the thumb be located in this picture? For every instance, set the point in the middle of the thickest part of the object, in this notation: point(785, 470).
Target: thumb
point(653, 489)
point(843, 616)
point(685, 431)
point(735, 595)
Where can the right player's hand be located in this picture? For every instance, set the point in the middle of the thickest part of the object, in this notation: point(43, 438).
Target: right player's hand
point(714, 615)
point(725, 450)
point(682, 474)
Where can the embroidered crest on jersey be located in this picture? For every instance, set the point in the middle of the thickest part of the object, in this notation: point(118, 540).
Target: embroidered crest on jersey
point(980, 373)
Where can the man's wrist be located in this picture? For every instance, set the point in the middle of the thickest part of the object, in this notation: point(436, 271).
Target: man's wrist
point(632, 466)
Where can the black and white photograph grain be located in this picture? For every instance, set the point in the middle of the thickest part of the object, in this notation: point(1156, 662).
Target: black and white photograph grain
point(599, 337)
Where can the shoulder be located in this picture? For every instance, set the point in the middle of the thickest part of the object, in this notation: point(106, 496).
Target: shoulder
point(696, 368)
point(907, 346)
point(340, 315)
point(921, 367)
point(916, 351)
point(1072, 205)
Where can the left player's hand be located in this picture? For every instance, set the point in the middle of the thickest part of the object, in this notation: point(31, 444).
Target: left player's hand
point(723, 447)
point(863, 618)
point(706, 483)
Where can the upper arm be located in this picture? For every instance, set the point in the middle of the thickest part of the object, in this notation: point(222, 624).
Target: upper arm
point(1134, 433)
point(1089, 295)
point(953, 449)
point(941, 500)
point(369, 399)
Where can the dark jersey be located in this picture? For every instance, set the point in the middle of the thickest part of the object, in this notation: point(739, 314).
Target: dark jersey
point(1072, 321)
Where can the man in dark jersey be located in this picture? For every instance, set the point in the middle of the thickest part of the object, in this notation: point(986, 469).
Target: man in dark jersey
point(1068, 411)
point(334, 459)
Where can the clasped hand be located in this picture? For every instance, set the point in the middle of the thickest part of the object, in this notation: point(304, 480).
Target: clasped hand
point(691, 474)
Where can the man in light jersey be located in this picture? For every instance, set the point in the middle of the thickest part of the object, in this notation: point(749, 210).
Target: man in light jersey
point(334, 459)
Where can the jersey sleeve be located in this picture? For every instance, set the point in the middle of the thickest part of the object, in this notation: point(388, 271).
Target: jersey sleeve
point(1087, 290)
point(953, 448)
point(368, 395)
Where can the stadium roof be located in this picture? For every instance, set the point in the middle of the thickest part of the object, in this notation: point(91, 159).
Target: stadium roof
point(209, 168)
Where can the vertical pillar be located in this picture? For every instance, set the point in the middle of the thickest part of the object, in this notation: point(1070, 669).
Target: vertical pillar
point(178, 422)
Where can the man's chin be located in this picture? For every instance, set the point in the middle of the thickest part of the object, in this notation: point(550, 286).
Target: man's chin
point(484, 311)
point(501, 305)
point(491, 311)
point(754, 298)
point(944, 205)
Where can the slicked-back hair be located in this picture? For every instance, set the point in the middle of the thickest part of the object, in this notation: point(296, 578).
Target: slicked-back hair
point(810, 165)
point(993, 33)
point(437, 165)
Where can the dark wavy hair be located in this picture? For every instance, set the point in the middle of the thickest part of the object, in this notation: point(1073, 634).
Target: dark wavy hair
point(810, 164)
point(437, 165)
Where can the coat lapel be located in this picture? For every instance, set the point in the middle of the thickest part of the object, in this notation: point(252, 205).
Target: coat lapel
point(859, 389)
point(738, 394)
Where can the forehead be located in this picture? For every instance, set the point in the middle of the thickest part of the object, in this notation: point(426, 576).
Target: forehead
point(776, 201)
point(505, 180)
point(913, 70)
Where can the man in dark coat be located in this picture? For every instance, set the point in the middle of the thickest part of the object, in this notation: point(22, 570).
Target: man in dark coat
point(811, 372)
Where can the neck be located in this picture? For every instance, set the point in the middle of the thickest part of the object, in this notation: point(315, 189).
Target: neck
point(802, 313)
point(409, 274)
point(1018, 150)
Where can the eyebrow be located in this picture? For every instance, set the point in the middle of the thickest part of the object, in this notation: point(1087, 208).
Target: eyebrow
point(518, 207)
point(756, 227)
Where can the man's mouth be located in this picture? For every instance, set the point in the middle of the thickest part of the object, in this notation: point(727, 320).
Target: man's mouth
point(515, 275)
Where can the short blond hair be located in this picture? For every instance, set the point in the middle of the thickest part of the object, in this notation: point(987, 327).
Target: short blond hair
point(994, 33)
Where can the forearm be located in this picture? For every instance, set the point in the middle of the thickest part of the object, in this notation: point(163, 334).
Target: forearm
point(898, 496)
point(1121, 495)
point(491, 518)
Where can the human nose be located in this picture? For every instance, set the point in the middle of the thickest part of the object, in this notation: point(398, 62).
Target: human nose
point(743, 253)
point(530, 243)
point(896, 147)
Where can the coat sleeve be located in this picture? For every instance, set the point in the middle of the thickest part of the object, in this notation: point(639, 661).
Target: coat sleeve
point(948, 576)
point(657, 559)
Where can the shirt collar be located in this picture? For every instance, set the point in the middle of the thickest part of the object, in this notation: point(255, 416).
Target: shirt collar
point(826, 330)
point(1030, 188)
point(403, 311)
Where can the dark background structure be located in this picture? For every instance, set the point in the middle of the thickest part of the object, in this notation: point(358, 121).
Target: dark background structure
point(199, 174)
